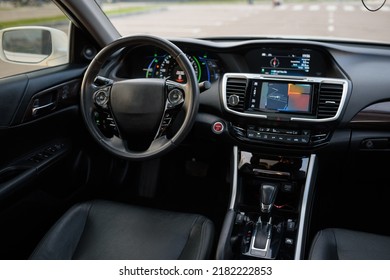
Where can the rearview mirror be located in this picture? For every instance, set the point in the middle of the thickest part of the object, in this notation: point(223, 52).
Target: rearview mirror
point(36, 45)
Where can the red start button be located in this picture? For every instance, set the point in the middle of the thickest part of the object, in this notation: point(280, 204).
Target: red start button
point(218, 127)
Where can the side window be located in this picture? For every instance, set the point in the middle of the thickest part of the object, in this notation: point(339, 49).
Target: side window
point(33, 35)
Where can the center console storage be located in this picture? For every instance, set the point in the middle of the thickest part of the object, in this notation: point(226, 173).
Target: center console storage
point(269, 208)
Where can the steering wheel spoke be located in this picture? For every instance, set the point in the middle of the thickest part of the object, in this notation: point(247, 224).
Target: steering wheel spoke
point(175, 97)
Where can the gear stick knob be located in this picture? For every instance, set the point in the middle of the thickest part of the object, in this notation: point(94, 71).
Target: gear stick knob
point(268, 194)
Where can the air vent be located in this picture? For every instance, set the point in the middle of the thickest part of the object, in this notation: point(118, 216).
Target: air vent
point(329, 100)
point(235, 94)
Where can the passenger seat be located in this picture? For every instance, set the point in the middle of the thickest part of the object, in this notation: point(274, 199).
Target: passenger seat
point(344, 244)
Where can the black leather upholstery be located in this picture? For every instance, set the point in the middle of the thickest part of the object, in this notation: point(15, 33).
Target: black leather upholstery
point(107, 230)
point(342, 244)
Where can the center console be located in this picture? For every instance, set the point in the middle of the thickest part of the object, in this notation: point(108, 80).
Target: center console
point(269, 208)
point(278, 115)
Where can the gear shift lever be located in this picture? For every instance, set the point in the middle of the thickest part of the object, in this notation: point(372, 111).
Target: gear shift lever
point(261, 245)
point(268, 194)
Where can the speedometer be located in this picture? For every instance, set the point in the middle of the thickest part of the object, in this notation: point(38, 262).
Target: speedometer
point(169, 69)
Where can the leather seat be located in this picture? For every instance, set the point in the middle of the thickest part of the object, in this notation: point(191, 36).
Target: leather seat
point(343, 244)
point(108, 230)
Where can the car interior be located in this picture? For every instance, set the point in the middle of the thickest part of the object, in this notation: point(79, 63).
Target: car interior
point(219, 148)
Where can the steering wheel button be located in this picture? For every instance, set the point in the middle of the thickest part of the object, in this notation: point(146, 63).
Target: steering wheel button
point(218, 127)
point(166, 122)
point(175, 96)
point(100, 98)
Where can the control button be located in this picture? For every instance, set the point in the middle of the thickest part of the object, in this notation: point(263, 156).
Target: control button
point(58, 146)
point(265, 136)
point(288, 187)
point(378, 143)
point(290, 225)
point(257, 135)
point(305, 139)
point(239, 131)
point(175, 97)
point(296, 139)
point(218, 127)
point(101, 98)
point(289, 241)
point(240, 218)
point(251, 134)
point(166, 121)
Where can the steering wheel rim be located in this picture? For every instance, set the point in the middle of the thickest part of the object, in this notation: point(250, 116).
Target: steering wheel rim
point(117, 145)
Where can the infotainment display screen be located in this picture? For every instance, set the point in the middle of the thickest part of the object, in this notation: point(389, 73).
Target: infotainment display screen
point(286, 62)
point(281, 96)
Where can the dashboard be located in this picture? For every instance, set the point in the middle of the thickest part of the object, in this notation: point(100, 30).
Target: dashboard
point(290, 94)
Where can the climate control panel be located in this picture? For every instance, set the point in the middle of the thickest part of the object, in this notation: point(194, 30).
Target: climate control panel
point(287, 136)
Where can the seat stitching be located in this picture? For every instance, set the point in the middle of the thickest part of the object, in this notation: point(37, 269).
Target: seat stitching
point(315, 241)
point(189, 235)
point(85, 225)
point(335, 241)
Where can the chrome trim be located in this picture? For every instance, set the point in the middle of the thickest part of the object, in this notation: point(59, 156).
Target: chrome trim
point(301, 227)
point(260, 252)
point(234, 184)
point(256, 252)
point(266, 208)
point(35, 110)
point(318, 80)
point(271, 172)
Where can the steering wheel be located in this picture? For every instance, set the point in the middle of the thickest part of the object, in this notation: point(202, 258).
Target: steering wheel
point(133, 118)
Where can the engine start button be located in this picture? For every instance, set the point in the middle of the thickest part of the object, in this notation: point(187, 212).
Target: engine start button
point(218, 127)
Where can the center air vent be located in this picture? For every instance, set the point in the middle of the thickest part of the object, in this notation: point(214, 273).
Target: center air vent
point(329, 100)
point(235, 93)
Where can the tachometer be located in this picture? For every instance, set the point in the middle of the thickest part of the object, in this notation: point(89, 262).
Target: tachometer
point(169, 69)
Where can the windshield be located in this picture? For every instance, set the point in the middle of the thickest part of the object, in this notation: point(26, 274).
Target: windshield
point(367, 20)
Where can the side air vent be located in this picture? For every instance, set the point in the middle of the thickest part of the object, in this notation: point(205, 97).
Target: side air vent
point(329, 100)
point(235, 93)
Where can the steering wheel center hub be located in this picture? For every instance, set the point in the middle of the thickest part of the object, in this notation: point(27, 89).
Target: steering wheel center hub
point(138, 106)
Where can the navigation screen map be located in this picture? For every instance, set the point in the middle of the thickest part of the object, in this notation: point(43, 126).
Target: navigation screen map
point(287, 97)
point(285, 63)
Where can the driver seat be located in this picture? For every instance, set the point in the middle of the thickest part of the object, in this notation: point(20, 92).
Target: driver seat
point(115, 231)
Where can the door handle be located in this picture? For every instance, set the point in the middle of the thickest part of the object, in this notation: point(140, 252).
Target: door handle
point(37, 109)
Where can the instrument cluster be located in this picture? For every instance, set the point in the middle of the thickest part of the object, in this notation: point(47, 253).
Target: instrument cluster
point(149, 62)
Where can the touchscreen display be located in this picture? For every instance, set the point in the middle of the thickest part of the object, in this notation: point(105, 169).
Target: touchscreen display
point(282, 96)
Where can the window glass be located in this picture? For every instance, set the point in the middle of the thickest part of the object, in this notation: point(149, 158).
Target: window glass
point(33, 35)
point(357, 20)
